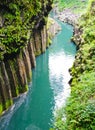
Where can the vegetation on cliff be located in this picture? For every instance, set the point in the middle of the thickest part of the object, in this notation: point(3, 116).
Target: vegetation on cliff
point(23, 35)
point(18, 18)
point(76, 5)
point(80, 108)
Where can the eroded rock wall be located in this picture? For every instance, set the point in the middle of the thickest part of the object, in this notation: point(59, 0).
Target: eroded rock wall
point(16, 68)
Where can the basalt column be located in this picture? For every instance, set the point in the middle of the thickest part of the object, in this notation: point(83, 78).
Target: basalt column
point(23, 36)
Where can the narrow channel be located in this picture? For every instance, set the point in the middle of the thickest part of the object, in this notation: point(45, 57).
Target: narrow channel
point(48, 89)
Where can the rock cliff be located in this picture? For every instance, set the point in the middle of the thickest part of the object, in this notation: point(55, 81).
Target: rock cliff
point(80, 109)
point(23, 36)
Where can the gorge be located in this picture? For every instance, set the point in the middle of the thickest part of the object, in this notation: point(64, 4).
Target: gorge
point(24, 35)
point(80, 107)
point(49, 87)
point(36, 110)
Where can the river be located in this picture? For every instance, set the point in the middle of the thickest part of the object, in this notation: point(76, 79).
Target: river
point(48, 89)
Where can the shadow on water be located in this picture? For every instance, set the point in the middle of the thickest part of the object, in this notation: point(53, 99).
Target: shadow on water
point(49, 88)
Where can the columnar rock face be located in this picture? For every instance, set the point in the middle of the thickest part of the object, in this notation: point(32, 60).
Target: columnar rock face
point(16, 67)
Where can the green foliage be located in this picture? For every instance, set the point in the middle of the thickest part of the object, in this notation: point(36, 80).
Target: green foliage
point(37, 53)
point(80, 107)
point(1, 109)
point(2, 51)
point(8, 103)
point(20, 17)
point(14, 37)
point(21, 89)
point(80, 110)
point(75, 5)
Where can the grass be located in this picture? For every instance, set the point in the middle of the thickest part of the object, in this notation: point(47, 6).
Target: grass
point(77, 6)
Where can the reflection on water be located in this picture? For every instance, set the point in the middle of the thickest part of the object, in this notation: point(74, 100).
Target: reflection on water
point(61, 57)
point(59, 77)
point(49, 88)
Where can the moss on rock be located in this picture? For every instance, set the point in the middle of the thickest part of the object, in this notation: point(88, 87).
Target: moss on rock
point(80, 108)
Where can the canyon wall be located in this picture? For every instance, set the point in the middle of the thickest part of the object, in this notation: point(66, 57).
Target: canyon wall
point(80, 109)
point(18, 50)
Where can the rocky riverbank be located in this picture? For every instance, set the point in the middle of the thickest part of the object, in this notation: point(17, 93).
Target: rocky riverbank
point(53, 27)
point(23, 36)
point(68, 16)
point(70, 11)
point(80, 108)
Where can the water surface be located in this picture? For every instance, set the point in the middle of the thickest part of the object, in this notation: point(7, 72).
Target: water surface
point(48, 89)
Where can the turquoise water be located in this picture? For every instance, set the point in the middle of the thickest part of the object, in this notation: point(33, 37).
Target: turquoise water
point(49, 87)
